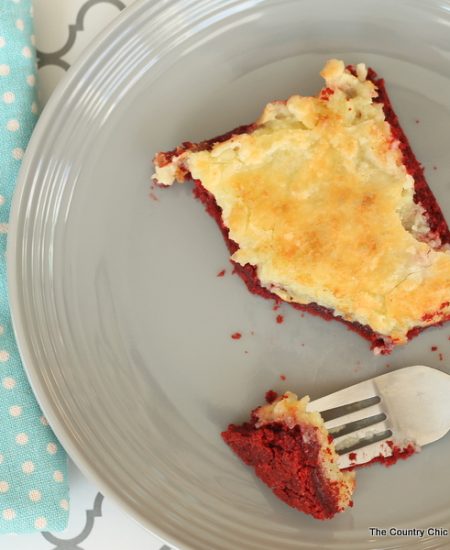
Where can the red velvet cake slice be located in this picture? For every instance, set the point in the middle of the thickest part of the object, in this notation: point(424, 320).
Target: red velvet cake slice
point(323, 205)
point(291, 452)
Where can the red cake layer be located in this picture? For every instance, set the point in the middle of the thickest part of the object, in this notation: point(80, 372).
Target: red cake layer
point(286, 459)
point(422, 192)
point(398, 453)
point(292, 460)
point(423, 196)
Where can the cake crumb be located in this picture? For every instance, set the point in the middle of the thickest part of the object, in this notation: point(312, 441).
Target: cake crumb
point(280, 319)
point(271, 395)
point(417, 121)
point(388, 365)
point(236, 336)
point(434, 167)
point(434, 348)
point(245, 351)
point(326, 93)
point(153, 196)
point(221, 273)
point(397, 453)
point(441, 357)
point(282, 377)
point(276, 307)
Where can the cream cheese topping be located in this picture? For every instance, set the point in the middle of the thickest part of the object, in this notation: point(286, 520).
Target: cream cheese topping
point(319, 200)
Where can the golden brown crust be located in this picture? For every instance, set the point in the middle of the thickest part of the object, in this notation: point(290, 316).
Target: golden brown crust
point(318, 199)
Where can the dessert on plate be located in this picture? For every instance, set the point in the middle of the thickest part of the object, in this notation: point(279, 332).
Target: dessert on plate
point(292, 452)
point(323, 205)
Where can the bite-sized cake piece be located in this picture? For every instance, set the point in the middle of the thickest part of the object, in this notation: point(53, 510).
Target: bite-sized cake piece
point(323, 204)
point(291, 452)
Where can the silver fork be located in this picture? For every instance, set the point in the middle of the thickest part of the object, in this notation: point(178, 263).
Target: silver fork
point(409, 405)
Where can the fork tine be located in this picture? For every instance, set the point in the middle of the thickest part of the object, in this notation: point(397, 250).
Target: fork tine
point(344, 442)
point(365, 454)
point(351, 427)
point(354, 416)
point(354, 393)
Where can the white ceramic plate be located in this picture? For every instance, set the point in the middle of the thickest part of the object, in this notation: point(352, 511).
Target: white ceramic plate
point(122, 323)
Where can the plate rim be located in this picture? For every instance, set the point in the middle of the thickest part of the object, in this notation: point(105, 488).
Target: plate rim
point(14, 281)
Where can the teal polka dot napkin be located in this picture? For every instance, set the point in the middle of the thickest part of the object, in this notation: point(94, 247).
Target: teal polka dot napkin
point(33, 484)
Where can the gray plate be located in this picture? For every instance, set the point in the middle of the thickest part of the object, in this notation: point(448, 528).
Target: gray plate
point(124, 327)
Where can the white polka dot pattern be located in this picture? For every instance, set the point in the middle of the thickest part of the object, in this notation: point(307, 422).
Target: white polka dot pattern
point(58, 476)
point(22, 439)
point(52, 448)
point(40, 523)
point(33, 487)
point(28, 467)
point(13, 125)
point(9, 514)
point(9, 383)
point(9, 97)
point(15, 410)
point(34, 495)
point(18, 153)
